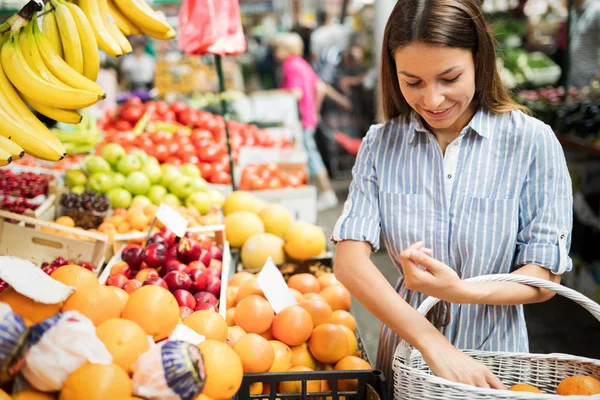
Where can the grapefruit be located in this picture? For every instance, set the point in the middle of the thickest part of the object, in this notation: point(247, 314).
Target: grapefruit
point(241, 201)
point(258, 248)
point(277, 219)
point(240, 226)
point(304, 240)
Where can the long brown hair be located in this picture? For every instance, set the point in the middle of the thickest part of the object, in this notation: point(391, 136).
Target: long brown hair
point(449, 23)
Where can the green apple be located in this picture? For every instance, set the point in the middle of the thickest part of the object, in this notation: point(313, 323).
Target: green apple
point(118, 179)
point(199, 185)
point(95, 164)
point(157, 193)
point(170, 173)
point(171, 200)
point(153, 172)
point(78, 189)
point(100, 182)
point(141, 155)
point(191, 170)
point(141, 199)
point(216, 197)
point(137, 183)
point(151, 160)
point(200, 201)
point(128, 164)
point(182, 187)
point(75, 177)
point(112, 153)
point(119, 198)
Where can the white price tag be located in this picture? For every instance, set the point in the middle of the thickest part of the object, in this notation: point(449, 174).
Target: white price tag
point(274, 287)
point(172, 219)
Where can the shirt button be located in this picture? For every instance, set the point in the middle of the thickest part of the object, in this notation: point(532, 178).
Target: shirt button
point(449, 176)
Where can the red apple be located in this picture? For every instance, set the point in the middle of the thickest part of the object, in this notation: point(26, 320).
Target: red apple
point(205, 257)
point(168, 236)
point(178, 280)
point(196, 265)
point(199, 280)
point(216, 252)
point(133, 255)
point(184, 298)
point(206, 306)
point(145, 274)
point(216, 264)
point(172, 253)
point(188, 250)
point(120, 268)
point(174, 265)
point(185, 312)
point(213, 285)
point(117, 280)
point(213, 272)
point(205, 241)
point(205, 297)
point(155, 255)
point(156, 280)
point(132, 286)
point(156, 239)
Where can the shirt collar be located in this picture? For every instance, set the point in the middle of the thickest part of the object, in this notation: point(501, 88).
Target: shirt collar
point(477, 125)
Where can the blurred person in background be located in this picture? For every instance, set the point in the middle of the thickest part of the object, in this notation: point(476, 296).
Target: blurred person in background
point(584, 44)
point(328, 33)
point(138, 68)
point(298, 77)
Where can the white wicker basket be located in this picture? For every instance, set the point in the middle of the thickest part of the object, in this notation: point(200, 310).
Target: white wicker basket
point(413, 378)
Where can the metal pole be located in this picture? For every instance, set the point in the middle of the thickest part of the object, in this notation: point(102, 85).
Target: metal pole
point(566, 57)
point(225, 111)
point(344, 11)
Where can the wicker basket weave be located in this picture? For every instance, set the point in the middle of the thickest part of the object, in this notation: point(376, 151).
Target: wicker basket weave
point(413, 378)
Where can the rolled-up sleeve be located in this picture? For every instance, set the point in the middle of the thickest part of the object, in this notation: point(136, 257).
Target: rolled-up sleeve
point(546, 207)
point(360, 218)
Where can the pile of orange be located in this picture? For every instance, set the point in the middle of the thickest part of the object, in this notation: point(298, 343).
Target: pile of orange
point(577, 385)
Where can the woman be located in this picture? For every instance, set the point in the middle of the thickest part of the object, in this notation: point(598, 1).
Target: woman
point(460, 182)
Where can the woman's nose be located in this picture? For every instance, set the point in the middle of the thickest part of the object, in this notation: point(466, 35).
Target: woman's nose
point(433, 98)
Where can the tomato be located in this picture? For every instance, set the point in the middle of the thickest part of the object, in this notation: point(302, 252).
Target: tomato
point(161, 152)
point(188, 117)
point(170, 116)
point(221, 178)
point(274, 183)
point(122, 125)
point(292, 181)
point(161, 137)
point(200, 134)
point(208, 153)
point(258, 183)
point(173, 160)
point(161, 107)
point(301, 176)
point(185, 150)
point(190, 158)
point(178, 106)
point(132, 114)
point(173, 148)
point(206, 170)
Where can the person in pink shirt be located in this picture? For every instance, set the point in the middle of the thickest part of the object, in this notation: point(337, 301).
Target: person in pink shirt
point(299, 78)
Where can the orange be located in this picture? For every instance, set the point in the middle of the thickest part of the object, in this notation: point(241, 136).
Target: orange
point(319, 311)
point(234, 333)
point(248, 288)
point(4, 395)
point(296, 386)
point(31, 394)
point(328, 343)
point(301, 356)
point(124, 340)
point(231, 295)
point(224, 371)
point(208, 323)
point(154, 309)
point(255, 352)
point(350, 363)
point(97, 302)
point(268, 334)
point(292, 326)
point(230, 317)
point(578, 385)
point(297, 295)
point(65, 220)
point(304, 283)
point(97, 382)
point(28, 308)
point(352, 342)
point(524, 387)
point(239, 278)
point(121, 294)
point(342, 317)
point(312, 297)
point(327, 279)
point(139, 222)
point(337, 296)
point(254, 314)
point(74, 275)
point(256, 388)
point(283, 356)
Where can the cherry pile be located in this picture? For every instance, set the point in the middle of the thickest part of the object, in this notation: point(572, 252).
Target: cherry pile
point(87, 209)
point(25, 185)
point(18, 205)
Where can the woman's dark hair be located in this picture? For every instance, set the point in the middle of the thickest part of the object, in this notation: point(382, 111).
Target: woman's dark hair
point(449, 23)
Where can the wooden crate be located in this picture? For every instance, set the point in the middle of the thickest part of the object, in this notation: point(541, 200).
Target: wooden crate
point(46, 211)
point(33, 239)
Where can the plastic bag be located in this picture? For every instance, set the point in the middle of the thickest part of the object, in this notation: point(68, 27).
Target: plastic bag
point(13, 332)
point(171, 370)
point(211, 27)
point(58, 346)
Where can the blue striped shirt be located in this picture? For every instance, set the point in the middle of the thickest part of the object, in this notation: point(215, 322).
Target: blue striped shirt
point(499, 198)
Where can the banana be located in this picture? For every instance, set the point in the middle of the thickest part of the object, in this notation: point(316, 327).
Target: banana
point(105, 40)
point(113, 29)
point(50, 29)
point(5, 157)
point(163, 36)
point(60, 68)
point(69, 36)
point(57, 114)
point(123, 23)
point(89, 44)
point(29, 83)
point(14, 149)
point(142, 16)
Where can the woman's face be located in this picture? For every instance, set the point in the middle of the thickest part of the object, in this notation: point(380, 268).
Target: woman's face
point(438, 83)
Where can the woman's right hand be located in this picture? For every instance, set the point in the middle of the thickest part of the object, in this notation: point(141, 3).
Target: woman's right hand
point(447, 362)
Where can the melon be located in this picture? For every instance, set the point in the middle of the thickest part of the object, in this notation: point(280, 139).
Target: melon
point(304, 240)
point(277, 219)
point(258, 248)
point(241, 201)
point(240, 226)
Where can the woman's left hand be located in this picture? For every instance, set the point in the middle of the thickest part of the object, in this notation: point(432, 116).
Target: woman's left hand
point(424, 274)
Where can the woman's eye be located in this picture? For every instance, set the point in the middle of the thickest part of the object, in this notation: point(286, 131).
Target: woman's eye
point(451, 80)
point(409, 84)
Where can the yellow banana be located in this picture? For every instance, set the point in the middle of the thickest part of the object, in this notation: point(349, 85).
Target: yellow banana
point(29, 83)
point(124, 26)
point(142, 16)
point(14, 149)
point(105, 40)
point(69, 36)
point(50, 29)
point(113, 29)
point(57, 114)
point(61, 69)
point(5, 157)
point(89, 44)
point(163, 36)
